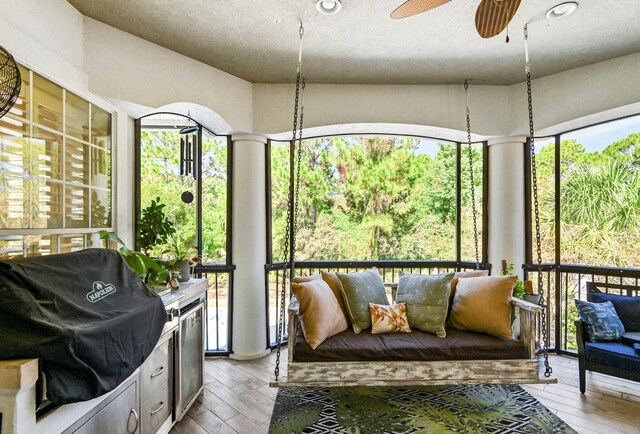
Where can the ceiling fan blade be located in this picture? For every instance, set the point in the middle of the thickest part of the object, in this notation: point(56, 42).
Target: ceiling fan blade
point(414, 7)
point(492, 16)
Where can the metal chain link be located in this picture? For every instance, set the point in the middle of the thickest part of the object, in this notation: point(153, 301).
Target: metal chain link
point(534, 183)
point(473, 186)
point(286, 257)
point(297, 188)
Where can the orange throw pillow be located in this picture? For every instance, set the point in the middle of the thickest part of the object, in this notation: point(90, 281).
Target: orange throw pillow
point(302, 279)
point(320, 314)
point(336, 286)
point(483, 305)
point(389, 318)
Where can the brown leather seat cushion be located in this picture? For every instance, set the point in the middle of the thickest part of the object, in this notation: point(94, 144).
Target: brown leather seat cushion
point(414, 346)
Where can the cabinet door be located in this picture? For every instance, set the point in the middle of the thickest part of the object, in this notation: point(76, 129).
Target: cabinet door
point(120, 416)
point(156, 369)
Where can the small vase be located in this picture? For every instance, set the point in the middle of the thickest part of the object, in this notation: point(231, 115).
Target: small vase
point(185, 271)
point(173, 283)
point(532, 298)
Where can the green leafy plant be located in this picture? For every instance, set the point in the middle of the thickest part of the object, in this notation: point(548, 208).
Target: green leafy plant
point(179, 250)
point(143, 265)
point(154, 227)
point(508, 270)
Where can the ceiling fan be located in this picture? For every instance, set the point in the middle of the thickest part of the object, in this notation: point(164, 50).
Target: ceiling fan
point(492, 16)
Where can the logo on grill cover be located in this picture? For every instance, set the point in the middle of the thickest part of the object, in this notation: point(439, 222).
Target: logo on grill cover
point(100, 291)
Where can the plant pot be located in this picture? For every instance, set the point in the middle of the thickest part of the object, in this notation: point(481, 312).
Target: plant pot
point(532, 298)
point(185, 271)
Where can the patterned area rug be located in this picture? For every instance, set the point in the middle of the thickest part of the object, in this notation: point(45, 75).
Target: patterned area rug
point(428, 409)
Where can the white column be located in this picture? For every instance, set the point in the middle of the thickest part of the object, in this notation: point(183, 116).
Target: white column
point(506, 203)
point(249, 247)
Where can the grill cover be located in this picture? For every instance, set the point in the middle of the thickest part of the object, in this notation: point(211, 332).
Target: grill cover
point(86, 315)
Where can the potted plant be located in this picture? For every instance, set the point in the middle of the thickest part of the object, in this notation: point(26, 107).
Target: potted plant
point(181, 256)
point(154, 227)
point(507, 270)
point(145, 267)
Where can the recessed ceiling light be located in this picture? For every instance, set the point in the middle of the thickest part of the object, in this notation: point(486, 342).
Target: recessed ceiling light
point(561, 10)
point(328, 7)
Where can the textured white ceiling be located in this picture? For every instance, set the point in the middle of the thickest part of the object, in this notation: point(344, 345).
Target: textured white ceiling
point(257, 40)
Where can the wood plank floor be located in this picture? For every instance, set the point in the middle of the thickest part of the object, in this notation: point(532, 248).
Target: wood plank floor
point(237, 399)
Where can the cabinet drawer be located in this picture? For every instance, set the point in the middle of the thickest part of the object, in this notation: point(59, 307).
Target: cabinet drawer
point(156, 408)
point(155, 369)
point(118, 417)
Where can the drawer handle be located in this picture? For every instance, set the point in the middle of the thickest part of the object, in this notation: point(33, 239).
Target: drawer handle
point(158, 409)
point(135, 414)
point(160, 371)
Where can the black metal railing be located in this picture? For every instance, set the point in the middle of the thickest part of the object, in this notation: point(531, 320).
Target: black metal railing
point(389, 271)
point(565, 282)
point(219, 309)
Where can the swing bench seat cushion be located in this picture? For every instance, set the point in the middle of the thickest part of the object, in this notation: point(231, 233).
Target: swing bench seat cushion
point(415, 346)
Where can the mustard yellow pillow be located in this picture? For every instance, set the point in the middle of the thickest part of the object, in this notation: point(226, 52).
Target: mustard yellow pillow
point(483, 305)
point(335, 285)
point(302, 279)
point(389, 318)
point(320, 314)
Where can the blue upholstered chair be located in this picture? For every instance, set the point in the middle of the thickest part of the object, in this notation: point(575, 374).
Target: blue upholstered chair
point(618, 358)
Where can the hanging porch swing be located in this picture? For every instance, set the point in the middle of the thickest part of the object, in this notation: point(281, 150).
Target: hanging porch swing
point(317, 368)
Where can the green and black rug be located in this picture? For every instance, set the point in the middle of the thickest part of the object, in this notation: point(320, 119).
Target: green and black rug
point(428, 409)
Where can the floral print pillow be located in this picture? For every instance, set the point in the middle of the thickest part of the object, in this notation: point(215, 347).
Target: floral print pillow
point(389, 319)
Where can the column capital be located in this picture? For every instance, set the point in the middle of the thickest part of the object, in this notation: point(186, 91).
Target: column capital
point(248, 138)
point(504, 140)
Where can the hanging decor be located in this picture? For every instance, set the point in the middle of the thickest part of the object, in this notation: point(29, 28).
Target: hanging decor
point(188, 146)
point(536, 211)
point(10, 82)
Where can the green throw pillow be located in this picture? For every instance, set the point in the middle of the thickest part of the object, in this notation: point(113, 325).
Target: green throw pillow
point(358, 290)
point(427, 299)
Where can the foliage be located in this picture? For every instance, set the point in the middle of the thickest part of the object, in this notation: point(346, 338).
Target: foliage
point(178, 249)
point(508, 270)
point(154, 226)
point(144, 266)
point(374, 197)
point(161, 178)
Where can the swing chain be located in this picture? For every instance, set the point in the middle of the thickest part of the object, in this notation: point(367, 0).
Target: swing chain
point(287, 260)
point(534, 182)
point(297, 182)
point(473, 187)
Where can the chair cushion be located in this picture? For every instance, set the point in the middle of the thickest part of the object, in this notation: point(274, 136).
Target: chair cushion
point(427, 299)
point(389, 318)
point(320, 314)
point(601, 321)
point(358, 290)
point(628, 308)
point(348, 346)
point(613, 354)
point(483, 305)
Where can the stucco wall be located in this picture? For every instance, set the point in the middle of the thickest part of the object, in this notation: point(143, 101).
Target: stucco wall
point(129, 68)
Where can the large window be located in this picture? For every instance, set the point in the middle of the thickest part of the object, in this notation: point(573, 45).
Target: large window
point(378, 198)
point(55, 170)
point(589, 196)
point(187, 168)
point(399, 203)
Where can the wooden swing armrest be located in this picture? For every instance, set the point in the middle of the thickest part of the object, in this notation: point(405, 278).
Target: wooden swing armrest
point(294, 306)
point(528, 314)
point(525, 305)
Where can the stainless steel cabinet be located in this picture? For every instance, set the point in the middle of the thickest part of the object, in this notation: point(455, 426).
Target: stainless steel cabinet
point(157, 385)
point(119, 416)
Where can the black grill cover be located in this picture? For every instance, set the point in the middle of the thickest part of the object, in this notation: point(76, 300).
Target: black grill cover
point(86, 315)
